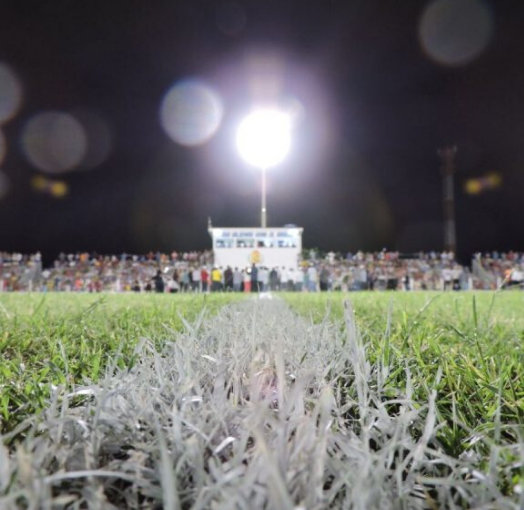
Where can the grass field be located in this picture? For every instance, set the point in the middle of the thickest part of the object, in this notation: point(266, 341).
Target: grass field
point(59, 339)
point(469, 347)
point(430, 383)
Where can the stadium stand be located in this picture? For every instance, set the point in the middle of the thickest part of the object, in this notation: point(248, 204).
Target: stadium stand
point(191, 272)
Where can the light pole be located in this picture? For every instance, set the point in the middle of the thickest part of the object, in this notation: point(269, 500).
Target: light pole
point(263, 209)
point(447, 155)
point(263, 140)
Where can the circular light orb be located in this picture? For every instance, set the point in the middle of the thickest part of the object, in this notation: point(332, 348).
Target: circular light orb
point(191, 113)
point(58, 189)
point(39, 183)
point(54, 142)
point(455, 32)
point(473, 186)
point(10, 93)
point(264, 138)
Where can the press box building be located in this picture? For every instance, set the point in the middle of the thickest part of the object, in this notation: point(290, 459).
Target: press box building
point(269, 247)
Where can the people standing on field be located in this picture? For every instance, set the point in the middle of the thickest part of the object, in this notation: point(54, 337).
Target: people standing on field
point(216, 280)
point(158, 281)
point(204, 279)
point(312, 278)
point(228, 279)
point(273, 279)
point(263, 279)
point(254, 278)
point(324, 279)
point(237, 280)
point(196, 279)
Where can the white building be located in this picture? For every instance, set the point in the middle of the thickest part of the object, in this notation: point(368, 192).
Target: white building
point(269, 247)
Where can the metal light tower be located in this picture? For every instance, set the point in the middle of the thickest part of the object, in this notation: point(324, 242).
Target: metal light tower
point(447, 156)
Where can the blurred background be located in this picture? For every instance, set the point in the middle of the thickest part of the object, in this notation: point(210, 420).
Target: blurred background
point(118, 122)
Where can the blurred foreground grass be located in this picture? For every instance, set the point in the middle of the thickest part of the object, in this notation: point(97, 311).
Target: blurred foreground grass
point(466, 346)
point(57, 339)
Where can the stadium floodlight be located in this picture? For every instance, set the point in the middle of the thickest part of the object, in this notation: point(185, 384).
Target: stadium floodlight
point(263, 140)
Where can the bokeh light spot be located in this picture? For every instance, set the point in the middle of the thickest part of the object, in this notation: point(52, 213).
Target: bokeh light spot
point(10, 93)
point(4, 185)
point(494, 180)
point(455, 32)
point(479, 185)
point(473, 186)
point(54, 188)
point(54, 142)
point(191, 113)
point(231, 18)
point(39, 183)
point(59, 189)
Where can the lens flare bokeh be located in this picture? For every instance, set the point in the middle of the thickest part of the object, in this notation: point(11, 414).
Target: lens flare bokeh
point(479, 185)
point(455, 32)
point(10, 93)
point(51, 187)
point(54, 142)
point(191, 112)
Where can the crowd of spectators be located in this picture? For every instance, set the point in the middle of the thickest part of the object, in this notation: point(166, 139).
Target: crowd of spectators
point(194, 272)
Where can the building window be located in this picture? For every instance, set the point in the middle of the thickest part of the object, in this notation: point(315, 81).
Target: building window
point(245, 243)
point(223, 243)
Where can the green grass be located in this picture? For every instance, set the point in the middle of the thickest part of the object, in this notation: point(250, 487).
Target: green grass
point(466, 346)
point(68, 339)
point(419, 400)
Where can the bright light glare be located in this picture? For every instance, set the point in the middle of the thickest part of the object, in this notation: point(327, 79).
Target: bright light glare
point(264, 138)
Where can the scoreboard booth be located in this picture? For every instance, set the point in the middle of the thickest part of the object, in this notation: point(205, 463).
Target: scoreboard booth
point(269, 247)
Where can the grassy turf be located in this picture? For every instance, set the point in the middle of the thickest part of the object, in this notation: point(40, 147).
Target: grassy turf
point(429, 393)
point(63, 339)
point(466, 346)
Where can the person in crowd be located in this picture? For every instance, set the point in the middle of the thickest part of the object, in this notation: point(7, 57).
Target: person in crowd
point(158, 281)
point(237, 280)
point(263, 279)
point(216, 280)
point(312, 278)
point(254, 278)
point(299, 280)
point(290, 284)
point(184, 280)
point(196, 277)
point(273, 279)
point(173, 286)
point(323, 278)
point(204, 279)
point(228, 279)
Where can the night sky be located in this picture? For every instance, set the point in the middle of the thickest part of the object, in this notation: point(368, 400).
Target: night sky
point(376, 88)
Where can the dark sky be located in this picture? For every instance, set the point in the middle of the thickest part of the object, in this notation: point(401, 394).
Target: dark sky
point(363, 172)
